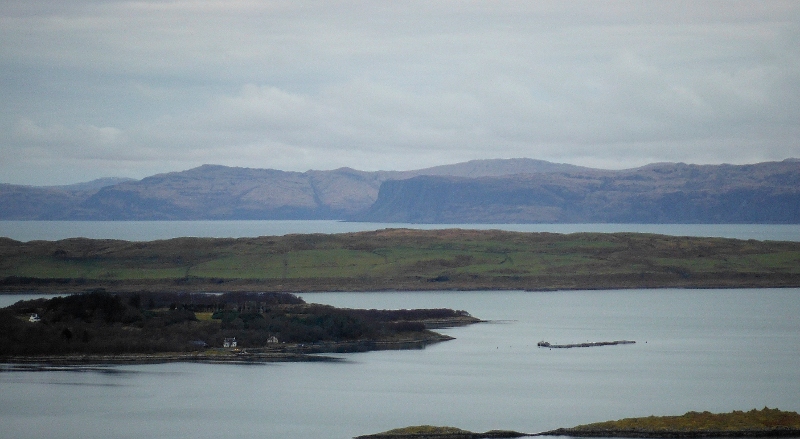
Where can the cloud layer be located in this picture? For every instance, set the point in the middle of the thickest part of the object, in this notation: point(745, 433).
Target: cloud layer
point(98, 88)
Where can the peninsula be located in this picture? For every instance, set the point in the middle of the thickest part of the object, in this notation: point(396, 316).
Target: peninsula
point(398, 259)
point(102, 328)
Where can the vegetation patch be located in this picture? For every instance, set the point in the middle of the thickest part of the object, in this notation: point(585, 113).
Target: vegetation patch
point(101, 323)
point(753, 423)
point(399, 259)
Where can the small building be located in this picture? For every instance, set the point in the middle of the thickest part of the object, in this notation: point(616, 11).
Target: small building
point(272, 339)
point(34, 318)
point(229, 343)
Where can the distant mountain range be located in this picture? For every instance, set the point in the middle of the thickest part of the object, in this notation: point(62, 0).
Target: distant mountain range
point(481, 191)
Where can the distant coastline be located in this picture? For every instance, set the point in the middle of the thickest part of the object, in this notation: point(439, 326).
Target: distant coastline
point(481, 191)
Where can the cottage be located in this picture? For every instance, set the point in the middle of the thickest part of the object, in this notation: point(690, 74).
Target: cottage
point(272, 339)
point(229, 343)
point(34, 318)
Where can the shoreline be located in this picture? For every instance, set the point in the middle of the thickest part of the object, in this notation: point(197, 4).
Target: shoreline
point(669, 434)
point(10, 285)
point(73, 286)
point(312, 352)
point(569, 432)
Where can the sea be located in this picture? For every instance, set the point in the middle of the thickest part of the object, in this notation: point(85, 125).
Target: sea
point(711, 349)
point(154, 230)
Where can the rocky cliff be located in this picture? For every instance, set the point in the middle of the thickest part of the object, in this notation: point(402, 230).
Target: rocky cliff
point(660, 193)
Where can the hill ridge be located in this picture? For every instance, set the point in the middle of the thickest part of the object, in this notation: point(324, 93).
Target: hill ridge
point(518, 190)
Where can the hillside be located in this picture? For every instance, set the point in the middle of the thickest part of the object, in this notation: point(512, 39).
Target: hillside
point(221, 192)
point(661, 193)
point(480, 191)
point(399, 259)
point(767, 423)
point(754, 423)
point(49, 202)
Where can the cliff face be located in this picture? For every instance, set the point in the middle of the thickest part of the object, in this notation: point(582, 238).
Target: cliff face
point(662, 193)
point(214, 192)
point(221, 192)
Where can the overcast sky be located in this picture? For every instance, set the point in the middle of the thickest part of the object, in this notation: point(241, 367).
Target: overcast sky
point(133, 88)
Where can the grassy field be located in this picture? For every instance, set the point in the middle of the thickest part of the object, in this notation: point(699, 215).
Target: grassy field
point(402, 259)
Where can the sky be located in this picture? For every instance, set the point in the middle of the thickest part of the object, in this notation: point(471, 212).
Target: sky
point(96, 88)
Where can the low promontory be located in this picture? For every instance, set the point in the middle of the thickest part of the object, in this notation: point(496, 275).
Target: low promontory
point(154, 327)
point(754, 423)
point(737, 424)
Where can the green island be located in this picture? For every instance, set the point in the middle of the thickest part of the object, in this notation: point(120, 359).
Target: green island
point(398, 259)
point(103, 328)
point(754, 423)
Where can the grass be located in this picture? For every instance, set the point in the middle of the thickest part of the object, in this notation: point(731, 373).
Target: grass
point(691, 424)
point(461, 258)
point(423, 430)
point(204, 316)
point(765, 419)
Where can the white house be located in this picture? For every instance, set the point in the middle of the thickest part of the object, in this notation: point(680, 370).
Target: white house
point(229, 343)
point(34, 318)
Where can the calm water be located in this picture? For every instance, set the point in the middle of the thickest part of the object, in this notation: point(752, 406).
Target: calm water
point(716, 350)
point(152, 230)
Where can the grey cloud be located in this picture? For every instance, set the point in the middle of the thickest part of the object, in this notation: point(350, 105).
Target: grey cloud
point(82, 135)
point(144, 87)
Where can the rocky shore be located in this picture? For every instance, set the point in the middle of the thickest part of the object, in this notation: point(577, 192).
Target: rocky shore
point(173, 357)
point(290, 352)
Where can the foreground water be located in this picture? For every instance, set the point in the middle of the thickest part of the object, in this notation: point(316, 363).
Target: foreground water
point(152, 230)
point(716, 350)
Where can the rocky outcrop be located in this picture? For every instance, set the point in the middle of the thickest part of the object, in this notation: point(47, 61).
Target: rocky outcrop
point(544, 344)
